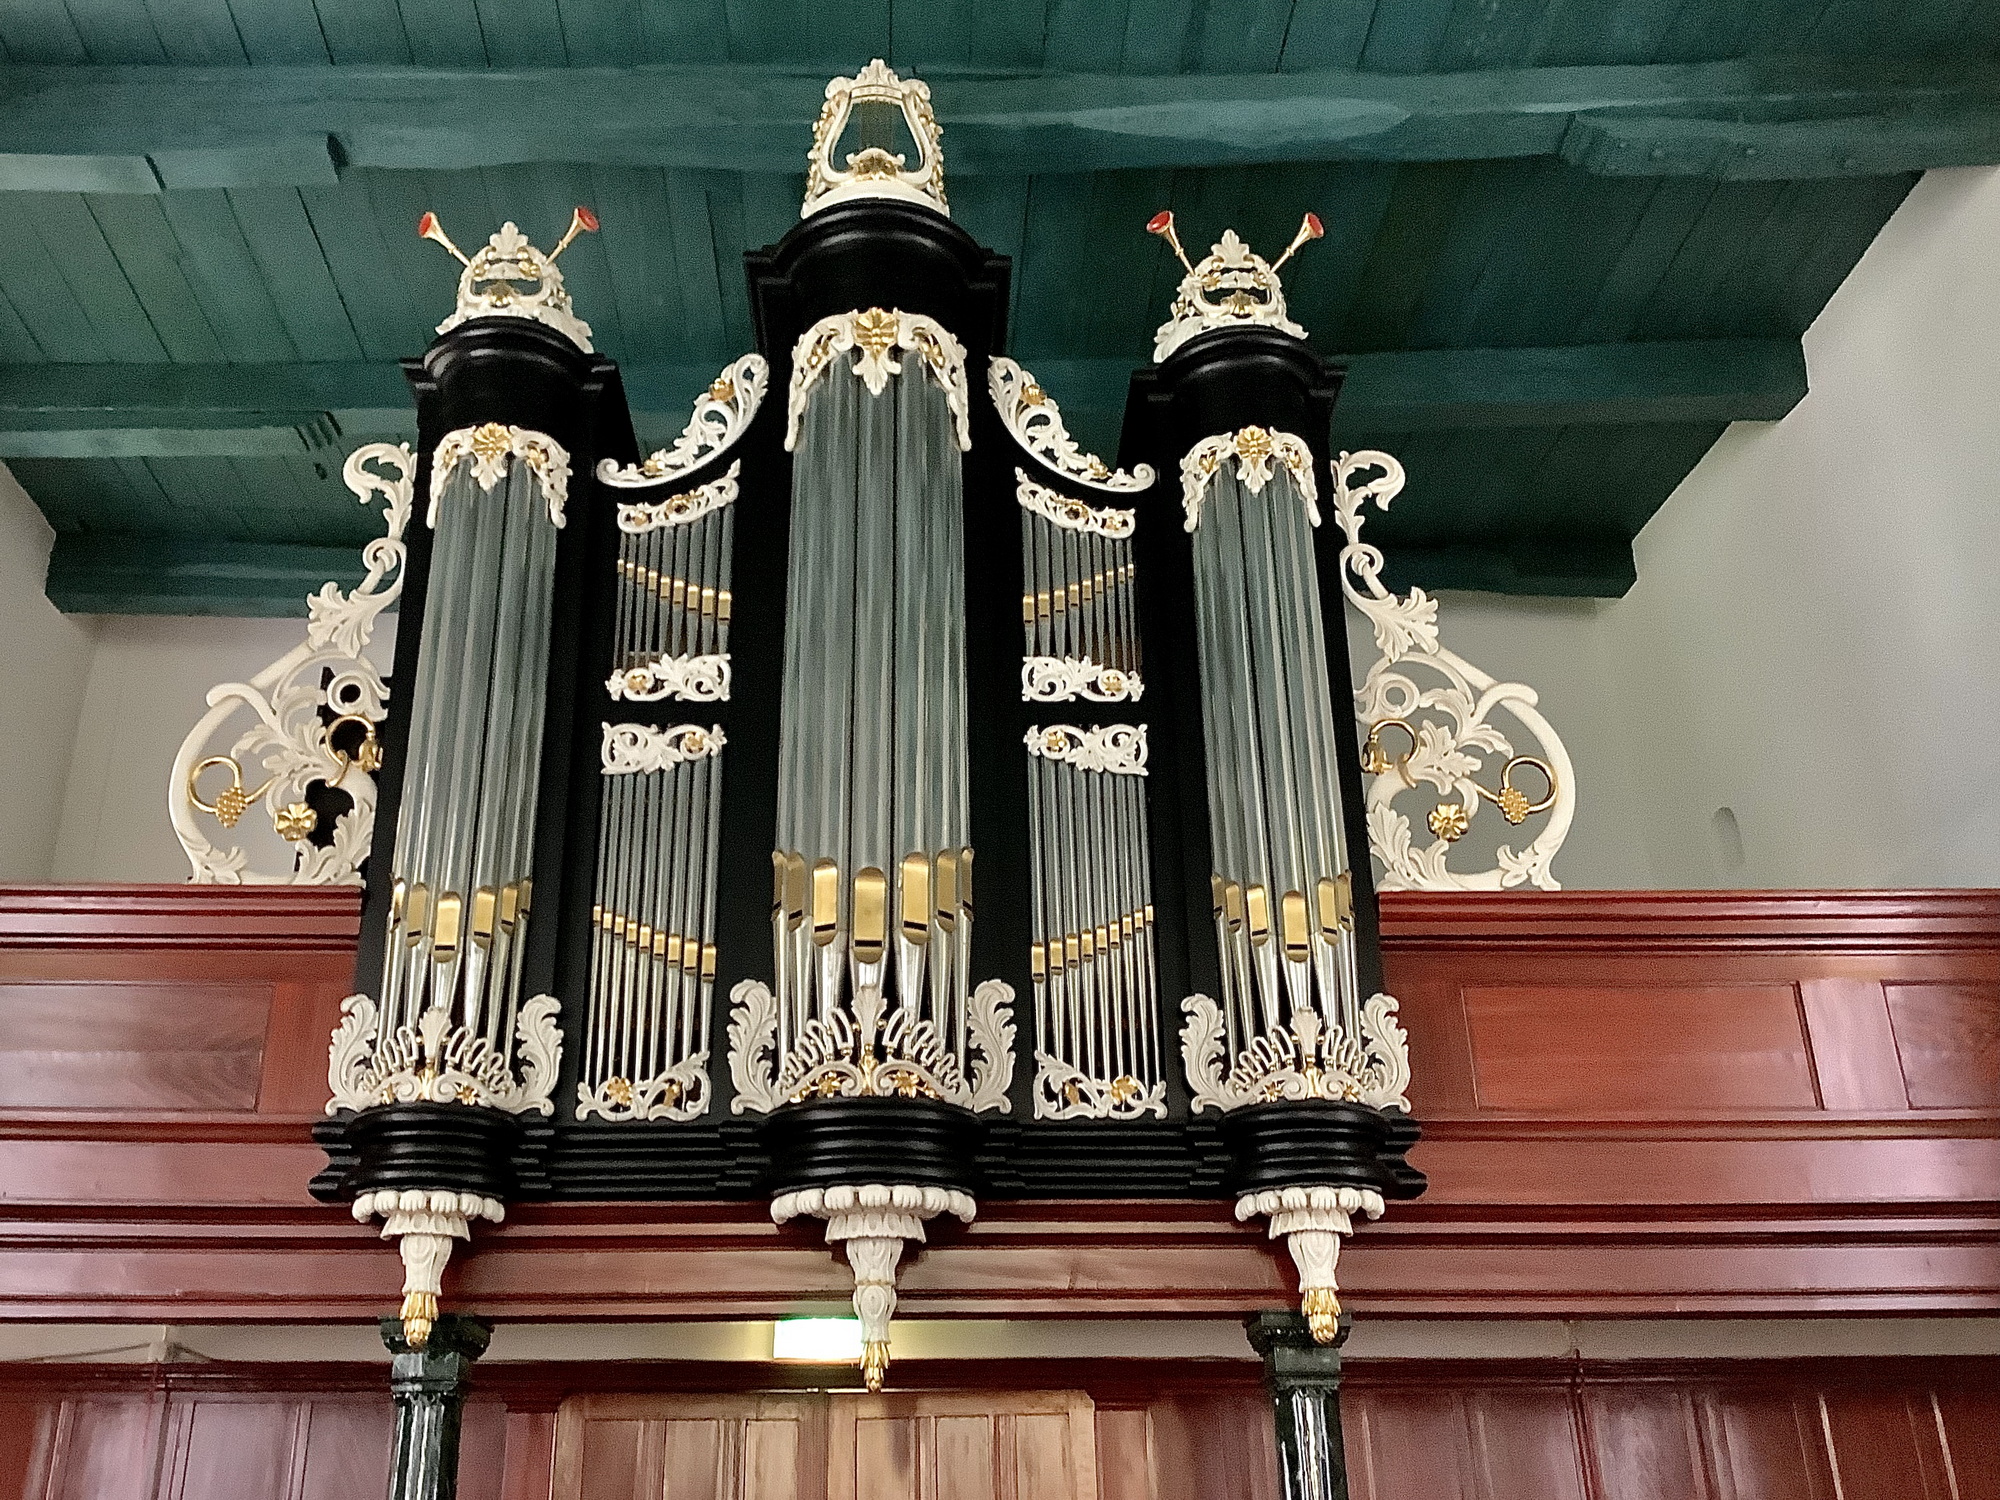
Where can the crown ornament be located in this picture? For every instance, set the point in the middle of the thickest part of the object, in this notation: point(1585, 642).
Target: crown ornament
point(510, 278)
point(873, 172)
point(1231, 287)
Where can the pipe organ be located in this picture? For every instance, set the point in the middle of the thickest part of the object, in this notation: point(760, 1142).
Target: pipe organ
point(871, 800)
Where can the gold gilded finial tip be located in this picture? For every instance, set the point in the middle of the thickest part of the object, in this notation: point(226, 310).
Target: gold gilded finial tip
point(1321, 1305)
point(874, 1364)
point(419, 1313)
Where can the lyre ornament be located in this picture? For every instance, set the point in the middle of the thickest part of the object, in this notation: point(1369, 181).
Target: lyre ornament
point(510, 278)
point(873, 172)
point(1231, 287)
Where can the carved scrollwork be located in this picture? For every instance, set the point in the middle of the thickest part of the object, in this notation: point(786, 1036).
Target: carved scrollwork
point(874, 335)
point(722, 414)
point(693, 679)
point(1064, 679)
point(1032, 416)
point(1255, 449)
point(1063, 1092)
point(679, 1093)
point(1445, 706)
point(683, 509)
point(436, 1062)
point(299, 704)
point(488, 447)
point(1306, 1060)
point(874, 172)
point(1073, 515)
point(630, 749)
point(1119, 749)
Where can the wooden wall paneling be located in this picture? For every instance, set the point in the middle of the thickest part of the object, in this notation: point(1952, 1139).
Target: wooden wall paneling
point(107, 1448)
point(303, 1014)
point(924, 1445)
point(346, 1451)
point(1764, 1444)
point(1217, 1443)
point(1406, 1442)
point(530, 1455)
point(1644, 1440)
point(1525, 1441)
point(132, 1045)
point(691, 1447)
point(1968, 1421)
point(1560, 1048)
point(1886, 1445)
point(1948, 1042)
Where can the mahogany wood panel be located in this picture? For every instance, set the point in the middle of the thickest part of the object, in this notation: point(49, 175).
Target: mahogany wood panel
point(1857, 1429)
point(1832, 1142)
point(177, 1045)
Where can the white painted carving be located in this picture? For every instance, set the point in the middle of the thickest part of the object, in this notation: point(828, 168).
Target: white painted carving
point(510, 278)
point(425, 1225)
point(873, 172)
point(1064, 679)
point(722, 414)
point(874, 1221)
point(290, 706)
point(1305, 1060)
point(1445, 706)
point(436, 1062)
point(1032, 416)
point(633, 748)
point(679, 1093)
point(1073, 515)
point(1255, 449)
point(488, 447)
point(1062, 1092)
point(693, 679)
point(874, 335)
point(683, 509)
point(1230, 287)
point(892, 1056)
point(1119, 749)
point(1312, 1221)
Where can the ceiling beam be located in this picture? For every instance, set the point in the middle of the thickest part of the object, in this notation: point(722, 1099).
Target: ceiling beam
point(182, 411)
point(142, 129)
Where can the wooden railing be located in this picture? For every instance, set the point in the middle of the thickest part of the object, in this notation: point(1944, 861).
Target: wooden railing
point(1635, 1103)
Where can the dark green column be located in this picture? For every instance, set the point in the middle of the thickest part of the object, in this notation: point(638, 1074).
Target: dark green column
point(429, 1387)
point(1304, 1378)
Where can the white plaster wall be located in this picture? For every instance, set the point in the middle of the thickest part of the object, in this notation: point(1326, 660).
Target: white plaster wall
point(44, 659)
point(148, 682)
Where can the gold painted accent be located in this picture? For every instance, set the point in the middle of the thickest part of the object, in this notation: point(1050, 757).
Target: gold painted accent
point(1215, 887)
point(722, 388)
point(946, 867)
point(1511, 800)
point(1027, 609)
point(1232, 905)
point(445, 927)
point(1103, 939)
point(417, 914)
point(641, 935)
point(777, 882)
point(618, 922)
point(708, 963)
point(419, 1313)
point(965, 881)
point(663, 944)
point(1326, 899)
point(490, 443)
point(367, 755)
point(916, 898)
point(795, 890)
point(825, 901)
point(1038, 963)
point(485, 907)
point(1125, 1088)
point(690, 955)
point(1294, 929)
point(1089, 947)
point(527, 896)
point(619, 1091)
point(1449, 820)
point(1321, 1305)
point(398, 894)
point(871, 915)
point(874, 1364)
point(1072, 950)
point(229, 807)
point(295, 822)
point(875, 331)
point(1375, 760)
point(1343, 896)
point(1257, 910)
point(510, 905)
point(1253, 444)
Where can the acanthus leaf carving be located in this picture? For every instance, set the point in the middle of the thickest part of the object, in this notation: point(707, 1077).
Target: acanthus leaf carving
point(722, 414)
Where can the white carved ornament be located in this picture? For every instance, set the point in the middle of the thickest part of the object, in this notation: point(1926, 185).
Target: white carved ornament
point(683, 509)
point(722, 414)
point(1312, 1222)
point(875, 334)
point(290, 732)
point(1064, 679)
point(873, 172)
point(436, 1062)
point(630, 749)
point(1032, 416)
point(1062, 1092)
point(425, 1223)
point(488, 447)
point(1444, 705)
point(1306, 1060)
point(510, 278)
point(1119, 749)
point(896, 1056)
point(679, 1093)
point(1254, 449)
point(1074, 515)
point(694, 679)
point(1230, 287)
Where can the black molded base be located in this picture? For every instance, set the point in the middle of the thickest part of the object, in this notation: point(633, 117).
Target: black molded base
point(915, 1141)
point(1321, 1144)
point(421, 1146)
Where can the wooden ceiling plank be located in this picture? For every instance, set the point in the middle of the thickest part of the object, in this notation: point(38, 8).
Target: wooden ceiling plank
point(1086, 36)
point(1496, 205)
point(444, 33)
point(35, 285)
point(1678, 306)
point(694, 254)
point(1326, 34)
point(199, 32)
point(77, 247)
point(1167, 36)
point(638, 247)
point(1404, 35)
point(1492, 34)
point(1853, 220)
point(377, 301)
point(522, 34)
point(728, 242)
point(176, 574)
point(41, 32)
point(1414, 230)
point(1049, 265)
point(602, 32)
point(278, 33)
point(685, 30)
point(16, 343)
point(926, 34)
point(363, 31)
point(281, 241)
point(1672, 210)
point(225, 277)
point(138, 233)
point(116, 31)
point(1008, 33)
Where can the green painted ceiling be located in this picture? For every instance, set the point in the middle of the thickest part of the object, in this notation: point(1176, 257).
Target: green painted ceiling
point(1568, 240)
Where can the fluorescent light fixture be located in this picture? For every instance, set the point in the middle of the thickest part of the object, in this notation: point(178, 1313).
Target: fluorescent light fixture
point(820, 1341)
